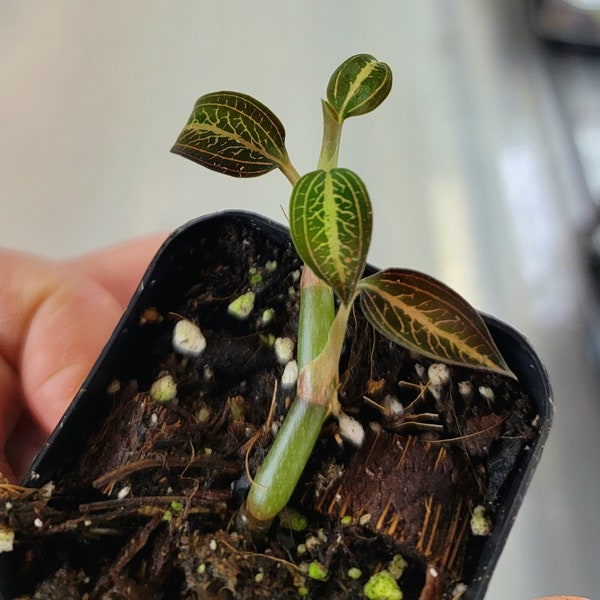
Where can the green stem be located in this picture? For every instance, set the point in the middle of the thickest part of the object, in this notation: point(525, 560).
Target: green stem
point(332, 132)
point(316, 316)
point(277, 477)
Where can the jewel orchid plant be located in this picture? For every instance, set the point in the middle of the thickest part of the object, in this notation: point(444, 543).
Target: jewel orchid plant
point(330, 220)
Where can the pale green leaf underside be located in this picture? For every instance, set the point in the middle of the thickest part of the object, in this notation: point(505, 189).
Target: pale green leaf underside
point(331, 223)
point(235, 134)
point(424, 315)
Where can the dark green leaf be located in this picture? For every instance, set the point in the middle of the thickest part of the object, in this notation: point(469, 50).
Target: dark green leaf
point(233, 134)
point(422, 314)
point(331, 222)
point(359, 85)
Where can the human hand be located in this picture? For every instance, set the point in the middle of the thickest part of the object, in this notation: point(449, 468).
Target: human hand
point(55, 317)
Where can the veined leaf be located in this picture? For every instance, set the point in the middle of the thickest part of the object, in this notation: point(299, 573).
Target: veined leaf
point(331, 223)
point(233, 134)
point(424, 315)
point(359, 85)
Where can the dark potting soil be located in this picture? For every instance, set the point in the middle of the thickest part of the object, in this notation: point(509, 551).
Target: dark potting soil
point(147, 508)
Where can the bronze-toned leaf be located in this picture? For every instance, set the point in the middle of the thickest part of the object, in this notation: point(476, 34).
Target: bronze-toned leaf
point(235, 134)
point(359, 85)
point(331, 223)
point(425, 315)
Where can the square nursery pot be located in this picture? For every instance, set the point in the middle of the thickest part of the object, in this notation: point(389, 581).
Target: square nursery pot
point(139, 485)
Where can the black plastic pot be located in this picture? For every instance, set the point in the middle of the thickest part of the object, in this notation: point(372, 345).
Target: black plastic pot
point(163, 285)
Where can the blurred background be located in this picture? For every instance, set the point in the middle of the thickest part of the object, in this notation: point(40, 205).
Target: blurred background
point(483, 167)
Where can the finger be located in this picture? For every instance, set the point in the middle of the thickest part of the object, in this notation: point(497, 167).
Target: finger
point(11, 409)
point(61, 344)
point(22, 446)
point(25, 282)
point(119, 268)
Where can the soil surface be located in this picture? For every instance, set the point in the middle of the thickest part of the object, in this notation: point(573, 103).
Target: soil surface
point(146, 508)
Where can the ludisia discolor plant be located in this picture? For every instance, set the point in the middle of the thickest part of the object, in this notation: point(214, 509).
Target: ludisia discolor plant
point(330, 219)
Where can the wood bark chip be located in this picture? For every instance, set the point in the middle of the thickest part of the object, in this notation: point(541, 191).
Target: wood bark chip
point(419, 493)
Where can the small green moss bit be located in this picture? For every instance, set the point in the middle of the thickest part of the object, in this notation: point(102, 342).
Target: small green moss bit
point(382, 586)
point(256, 278)
point(317, 571)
